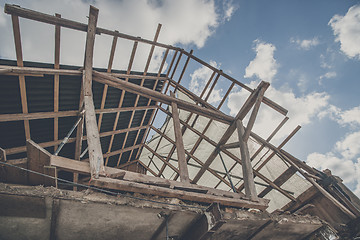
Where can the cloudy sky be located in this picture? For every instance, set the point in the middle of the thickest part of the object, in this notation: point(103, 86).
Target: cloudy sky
point(308, 50)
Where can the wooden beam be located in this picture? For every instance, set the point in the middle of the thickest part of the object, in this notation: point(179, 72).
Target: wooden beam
point(20, 63)
point(114, 82)
point(183, 170)
point(71, 113)
point(37, 159)
point(56, 80)
point(2, 155)
point(93, 139)
point(255, 111)
point(279, 180)
point(247, 170)
point(46, 18)
point(181, 194)
point(38, 71)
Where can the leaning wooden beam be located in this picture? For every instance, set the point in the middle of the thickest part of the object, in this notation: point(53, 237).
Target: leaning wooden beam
point(114, 82)
point(38, 158)
point(56, 80)
point(252, 118)
point(93, 139)
point(247, 170)
point(20, 63)
point(241, 114)
point(184, 174)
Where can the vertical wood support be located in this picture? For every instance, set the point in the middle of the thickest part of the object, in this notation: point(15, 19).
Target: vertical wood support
point(93, 138)
point(20, 63)
point(56, 80)
point(184, 174)
point(248, 175)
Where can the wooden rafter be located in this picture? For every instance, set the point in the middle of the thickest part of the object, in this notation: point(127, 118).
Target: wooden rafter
point(20, 63)
point(183, 170)
point(56, 80)
point(122, 97)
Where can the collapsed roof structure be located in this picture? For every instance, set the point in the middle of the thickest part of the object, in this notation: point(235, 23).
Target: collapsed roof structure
point(201, 175)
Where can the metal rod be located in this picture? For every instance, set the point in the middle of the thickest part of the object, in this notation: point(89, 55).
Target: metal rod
point(84, 152)
point(227, 173)
point(66, 139)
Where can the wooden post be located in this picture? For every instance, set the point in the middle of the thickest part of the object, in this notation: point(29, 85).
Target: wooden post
point(20, 63)
point(93, 138)
point(56, 80)
point(248, 175)
point(184, 174)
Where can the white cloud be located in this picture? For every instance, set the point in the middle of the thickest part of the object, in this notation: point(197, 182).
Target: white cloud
point(184, 22)
point(327, 75)
point(347, 31)
point(349, 117)
point(264, 65)
point(346, 169)
point(198, 81)
point(305, 44)
point(229, 9)
point(349, 147)
point(344, 159)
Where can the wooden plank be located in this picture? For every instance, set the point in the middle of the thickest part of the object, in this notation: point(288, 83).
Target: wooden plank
point(56, 80)
point(93, 138)
point(160, 191)
point(253, 115)
point(19, 58)
point(38, 71)
point(2, 155)
point(183, 170)
point(37, 159)
point(212, 87)
point(84, 168)
point(247, 170)
point(279, 180)
point(217, 115)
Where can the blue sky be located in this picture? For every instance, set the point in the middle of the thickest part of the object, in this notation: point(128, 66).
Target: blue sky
point(308, 50)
